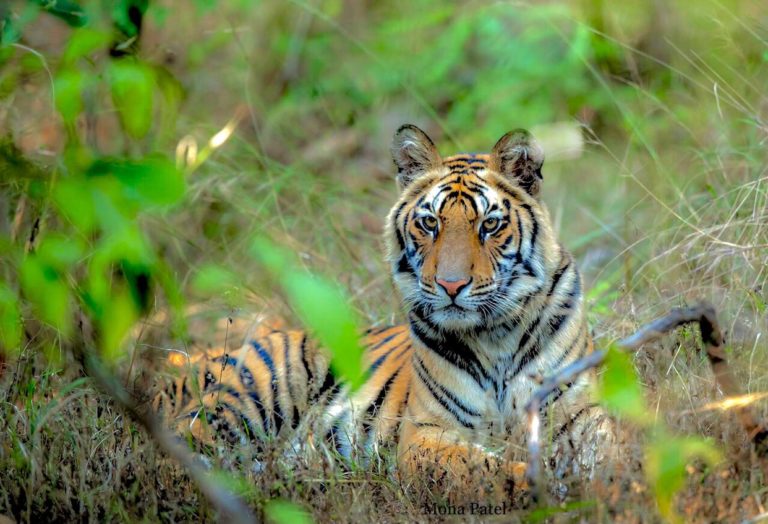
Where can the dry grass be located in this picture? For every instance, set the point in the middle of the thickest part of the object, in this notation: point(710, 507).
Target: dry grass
point(666, 204)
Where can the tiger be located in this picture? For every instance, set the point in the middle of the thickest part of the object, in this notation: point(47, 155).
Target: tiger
point(493, 300)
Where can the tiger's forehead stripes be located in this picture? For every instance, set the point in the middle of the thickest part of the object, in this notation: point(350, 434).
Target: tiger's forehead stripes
point(464, 164)
point(451, 193)
point(467, 189)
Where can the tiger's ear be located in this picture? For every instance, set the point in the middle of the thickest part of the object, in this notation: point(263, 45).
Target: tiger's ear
point(519, 157)
point(414, 154)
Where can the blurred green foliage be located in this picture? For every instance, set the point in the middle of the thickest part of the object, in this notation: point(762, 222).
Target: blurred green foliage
point(283, 512)
point(619, 389)
point(117, 219)
point(322, 307)
point(96, 257)
point(667, 461)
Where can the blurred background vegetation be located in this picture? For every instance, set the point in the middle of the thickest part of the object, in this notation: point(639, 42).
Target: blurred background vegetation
point(146, 143)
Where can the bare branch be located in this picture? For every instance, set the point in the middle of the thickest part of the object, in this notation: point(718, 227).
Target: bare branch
point(713, 341)
point(712, 337)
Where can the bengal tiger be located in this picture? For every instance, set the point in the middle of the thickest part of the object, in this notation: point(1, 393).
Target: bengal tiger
point(493, 300)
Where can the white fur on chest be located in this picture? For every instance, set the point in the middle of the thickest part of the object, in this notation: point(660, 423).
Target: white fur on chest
point(511, 387)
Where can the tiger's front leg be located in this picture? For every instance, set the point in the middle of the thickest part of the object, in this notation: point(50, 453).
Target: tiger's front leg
point(466, 470)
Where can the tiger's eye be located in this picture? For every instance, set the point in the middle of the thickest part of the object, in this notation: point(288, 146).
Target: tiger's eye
point(429, 222)
point(490, 224)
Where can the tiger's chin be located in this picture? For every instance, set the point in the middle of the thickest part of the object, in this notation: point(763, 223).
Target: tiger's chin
point(455, 318)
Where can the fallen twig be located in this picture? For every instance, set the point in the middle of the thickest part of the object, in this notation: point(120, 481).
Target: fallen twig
point(712, 338)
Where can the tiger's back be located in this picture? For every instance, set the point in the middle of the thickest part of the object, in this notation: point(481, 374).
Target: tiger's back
point(270, 384)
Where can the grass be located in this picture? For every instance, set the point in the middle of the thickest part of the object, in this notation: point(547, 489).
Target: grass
point(663, 203)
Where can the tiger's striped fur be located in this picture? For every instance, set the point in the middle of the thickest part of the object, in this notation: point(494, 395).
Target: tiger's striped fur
point(493, 301)
point(273, 380)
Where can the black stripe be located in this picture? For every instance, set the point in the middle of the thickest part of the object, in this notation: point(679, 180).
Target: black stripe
point(307, 368)
point(377, 403)
point(519, 230)
point(384, 341)
point(557, 276)
point(208, 379)
point(395, 217)
point(375, 365)
point(562, 358)
point(328, 383)
point(556, 322)
point(256, 399)
point(534, 228)
point(379, 400)
point(277, 411)
point(451, 349)
point(570, 422)
point(533, 350)
point(474, 186)
point(404, 266)
point(472, 202)
point(226, 388)
point(459, 404)
point(555, 395)
point(296, 417)
point(442, 401)
point(186, 394)
point(288, 385)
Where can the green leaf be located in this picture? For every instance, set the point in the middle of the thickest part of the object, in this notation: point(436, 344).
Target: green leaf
point(83, 42)
point(619, 389)
point(48, 293)
point(132, 90)
point(172, 93)
point(10, 321)
point(235, 484)
point(118, 316)
point(125, 246)
point(68, 86)
point(121, 15)
point(322, 307)
point(153, 180)
point(67, 10)
point(665, 465)
point(60, 252)
point(284, 512)
point(74, 199)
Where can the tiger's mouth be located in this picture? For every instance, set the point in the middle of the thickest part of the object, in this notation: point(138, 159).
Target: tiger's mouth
point(455, 307)
point(455, 317)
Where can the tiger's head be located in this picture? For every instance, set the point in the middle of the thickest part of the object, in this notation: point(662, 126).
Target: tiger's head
point(469, 241)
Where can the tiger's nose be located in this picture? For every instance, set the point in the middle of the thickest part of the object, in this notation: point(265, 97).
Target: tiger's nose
point(452, 287)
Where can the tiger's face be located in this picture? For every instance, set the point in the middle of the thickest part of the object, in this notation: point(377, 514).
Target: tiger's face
point(465, 239)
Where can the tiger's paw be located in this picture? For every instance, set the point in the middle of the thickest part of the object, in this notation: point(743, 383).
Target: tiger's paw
point(516, 473)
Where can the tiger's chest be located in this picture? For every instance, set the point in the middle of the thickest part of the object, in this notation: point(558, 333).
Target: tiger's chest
point(502, 400)
point(512, 379)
